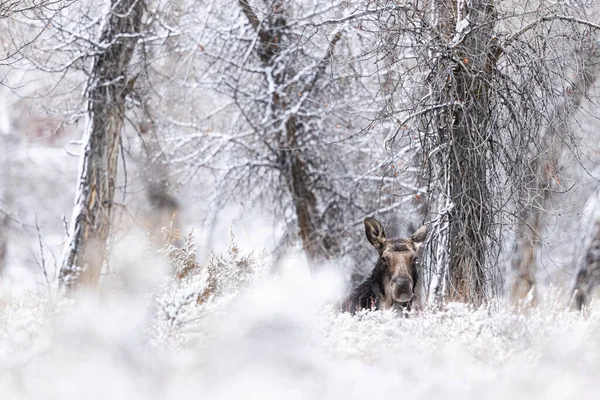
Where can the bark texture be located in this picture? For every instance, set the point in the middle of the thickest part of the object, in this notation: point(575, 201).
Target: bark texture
point(588, 276)
point(292, 161)
point(163, 212)
point(544, 168)
point(107, 86)
point(462, 84)
point(587, 282)
point(3, 240)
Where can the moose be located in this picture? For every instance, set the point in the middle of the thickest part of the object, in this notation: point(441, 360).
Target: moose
point(394, 282)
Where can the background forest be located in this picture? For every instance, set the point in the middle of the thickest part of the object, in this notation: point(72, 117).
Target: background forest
point(183, 186)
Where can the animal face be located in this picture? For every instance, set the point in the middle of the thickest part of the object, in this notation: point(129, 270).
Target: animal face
point(397, 271)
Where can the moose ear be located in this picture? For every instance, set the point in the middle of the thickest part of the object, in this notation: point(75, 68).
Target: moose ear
point(375, 233)
point(419, 237)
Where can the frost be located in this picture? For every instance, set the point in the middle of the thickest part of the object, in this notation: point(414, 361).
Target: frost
point(283, 338)
point(231, 272)
point(195, 292)
point(181, 325)
point(462, 25)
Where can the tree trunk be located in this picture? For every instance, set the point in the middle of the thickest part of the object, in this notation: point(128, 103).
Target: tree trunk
point(85, 253)
point(163, 212)
point(293, 167)
point(462, 84)
point(544, 167)
point(3, 240)
point(588, 277)
point(4, 199)
point(9, 143)
point(305, 201)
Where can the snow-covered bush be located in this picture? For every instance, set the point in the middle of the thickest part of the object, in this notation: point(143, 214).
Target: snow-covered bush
point(181, 252)
point(273, 342)
point(259, 336)
point(279, 339)
point(194, 291)
point(230, 272)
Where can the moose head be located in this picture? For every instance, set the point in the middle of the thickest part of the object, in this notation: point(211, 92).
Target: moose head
point(393, 283)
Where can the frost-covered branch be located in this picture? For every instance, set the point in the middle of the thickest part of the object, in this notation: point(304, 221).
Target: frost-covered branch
point(547, 18)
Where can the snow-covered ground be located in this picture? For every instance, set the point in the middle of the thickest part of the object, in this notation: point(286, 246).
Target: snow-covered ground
point(281, 339)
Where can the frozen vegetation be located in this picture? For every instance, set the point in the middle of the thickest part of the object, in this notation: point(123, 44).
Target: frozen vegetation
point(287, 123)
point(258, 336)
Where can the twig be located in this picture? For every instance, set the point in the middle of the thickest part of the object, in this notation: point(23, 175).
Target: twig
point(42, 262)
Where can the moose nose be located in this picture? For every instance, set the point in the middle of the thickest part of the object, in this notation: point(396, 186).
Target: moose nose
point(403, 284)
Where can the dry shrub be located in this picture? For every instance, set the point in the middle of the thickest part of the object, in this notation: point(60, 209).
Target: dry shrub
point(231, 272)
point(195, 291)
point(181, 253)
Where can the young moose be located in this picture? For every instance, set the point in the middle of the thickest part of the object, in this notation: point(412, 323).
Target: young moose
point(394, 280)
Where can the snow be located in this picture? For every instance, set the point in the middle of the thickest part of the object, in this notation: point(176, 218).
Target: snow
point(282, 338)
point(462, 25)
point(145, 334)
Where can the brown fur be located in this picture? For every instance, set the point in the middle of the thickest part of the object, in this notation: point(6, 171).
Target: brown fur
point(394, 282)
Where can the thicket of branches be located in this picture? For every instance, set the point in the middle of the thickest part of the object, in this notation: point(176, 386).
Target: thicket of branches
point(494, 82)
point(325, 113)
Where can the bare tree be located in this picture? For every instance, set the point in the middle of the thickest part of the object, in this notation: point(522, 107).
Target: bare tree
point(106, 90)
point(588, 276)
point(159, 58)
point(462, 129)
point(463, 91)
point(289, 130)
point(3, 240)
point(291, 160)
point(488, 92)
point(327, 113)
point(5, 197)
point(164, 208)
point(543, 175)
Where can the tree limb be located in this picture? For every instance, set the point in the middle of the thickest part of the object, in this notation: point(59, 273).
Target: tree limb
point(337, 35)
point(249, 12)
point(547, 18)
